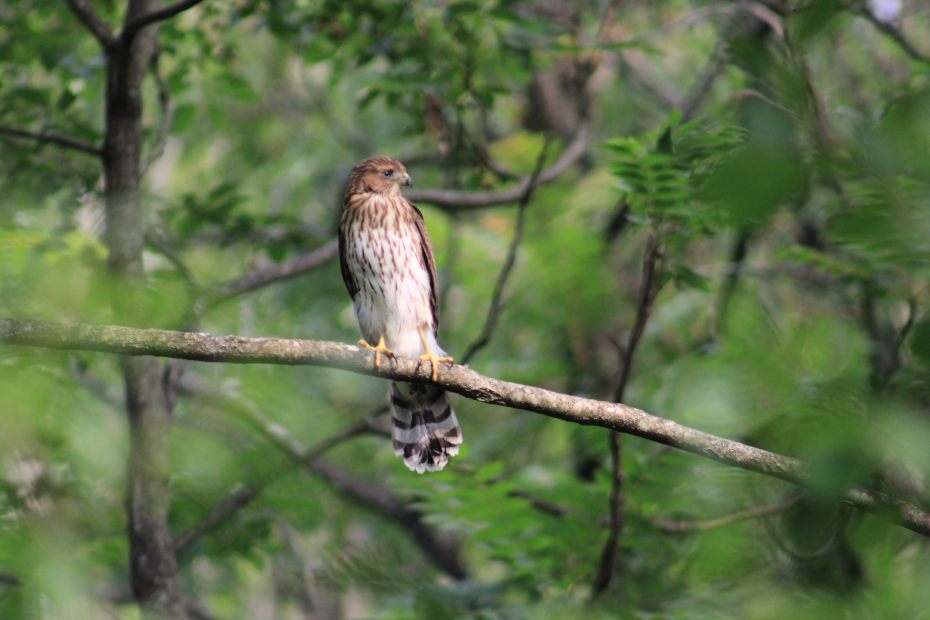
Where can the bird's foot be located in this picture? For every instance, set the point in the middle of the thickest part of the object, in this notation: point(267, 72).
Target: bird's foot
point(379, 349)
point(430, 357)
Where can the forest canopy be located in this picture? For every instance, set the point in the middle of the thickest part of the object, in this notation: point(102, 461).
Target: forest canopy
point(682, 249)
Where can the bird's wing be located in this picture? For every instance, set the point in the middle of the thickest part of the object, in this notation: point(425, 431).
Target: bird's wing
point(347, 276)
point(428, 262)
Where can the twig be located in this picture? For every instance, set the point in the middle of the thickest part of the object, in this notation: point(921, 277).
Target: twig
point(453, 200)
point(233, 502)
point(540, 504)
point(442, 551)
point(263, 276)
point(648, 290)
point(680, 527)
point(893, 31)
point(133, 27)
point(92, 21)
point(300, 455)
point(717, 65)
point(52, 137)
point(457, 378)
point(496, 305)
point(158, 239)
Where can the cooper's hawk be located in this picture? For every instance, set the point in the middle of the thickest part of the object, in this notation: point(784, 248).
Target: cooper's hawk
point(388, 266)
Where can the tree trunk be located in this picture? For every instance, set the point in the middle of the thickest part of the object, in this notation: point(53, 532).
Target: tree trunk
point(153, 565)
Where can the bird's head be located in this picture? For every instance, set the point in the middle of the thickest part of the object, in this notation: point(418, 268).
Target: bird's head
point(381, 175)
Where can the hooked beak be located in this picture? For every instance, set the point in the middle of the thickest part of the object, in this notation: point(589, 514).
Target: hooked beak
point(407, 180)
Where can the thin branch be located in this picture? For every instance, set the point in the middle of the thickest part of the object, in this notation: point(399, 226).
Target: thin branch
point(159, 240)
point(92, 21)
point(133, 27)
point(263, 276)
point(648, 290)
point(440, 549)
point(892, 31)
point(680, 527)
point(457, 378)
point(233, 502)
point(52, 137)
point(540, 504)
point(300, 455)
point(453, 200)
point(496, 304)
point(717, 65)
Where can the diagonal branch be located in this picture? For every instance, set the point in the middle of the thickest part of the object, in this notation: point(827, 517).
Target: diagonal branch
point(454, 200)
point(648, 290)
point(52, 137)
point(245, 494)
point(459, 379)
point(442, 550)
point(133, 27)
point(280, 271)
point(680, 527)
point(892, 31)
point(92, 21)
point(496, 304)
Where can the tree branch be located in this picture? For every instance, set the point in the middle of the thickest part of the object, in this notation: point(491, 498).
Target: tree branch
point(459, 379)
point(453, 200)
point(891, 30)
point(134, 26)
point(52, 137)
point(440, 549)
point(300, 455)
point(496, 305)
point(680, 527)
point(89, 18)
point(648, 290)
point(280, 271)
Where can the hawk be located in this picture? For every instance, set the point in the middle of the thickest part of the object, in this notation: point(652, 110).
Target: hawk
point(388, 266)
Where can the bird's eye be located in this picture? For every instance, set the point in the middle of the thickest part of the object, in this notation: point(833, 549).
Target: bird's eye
point(387, 173)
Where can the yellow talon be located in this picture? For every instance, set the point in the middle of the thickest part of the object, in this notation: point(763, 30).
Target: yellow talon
point(381, 348)
point(430, 357)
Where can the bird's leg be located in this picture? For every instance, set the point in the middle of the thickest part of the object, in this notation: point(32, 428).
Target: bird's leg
point(381, 348)
point(430, 357)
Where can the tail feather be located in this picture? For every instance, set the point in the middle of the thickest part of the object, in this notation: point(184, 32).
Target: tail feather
point(426, 432)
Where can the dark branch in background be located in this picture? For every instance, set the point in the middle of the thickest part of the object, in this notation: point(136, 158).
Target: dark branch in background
point(272, 273)
point(496, 304)
point(441, 550)
point(159, 240)
point(243, 495)
point(93, 22)
point(453, 200)
point(736, 264)
point(648, 290)
point(891, 30)
point(717, 65)
point(681, 527)
point(52, 137)
point(540, 504)
point(134, 26)
point(457, 378)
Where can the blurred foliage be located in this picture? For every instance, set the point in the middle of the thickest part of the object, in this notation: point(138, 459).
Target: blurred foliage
point(793, 202)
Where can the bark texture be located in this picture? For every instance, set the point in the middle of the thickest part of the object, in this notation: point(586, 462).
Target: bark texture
point(153, 565)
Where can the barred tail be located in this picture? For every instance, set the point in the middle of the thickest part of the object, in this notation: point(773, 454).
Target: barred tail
point(426, 432)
